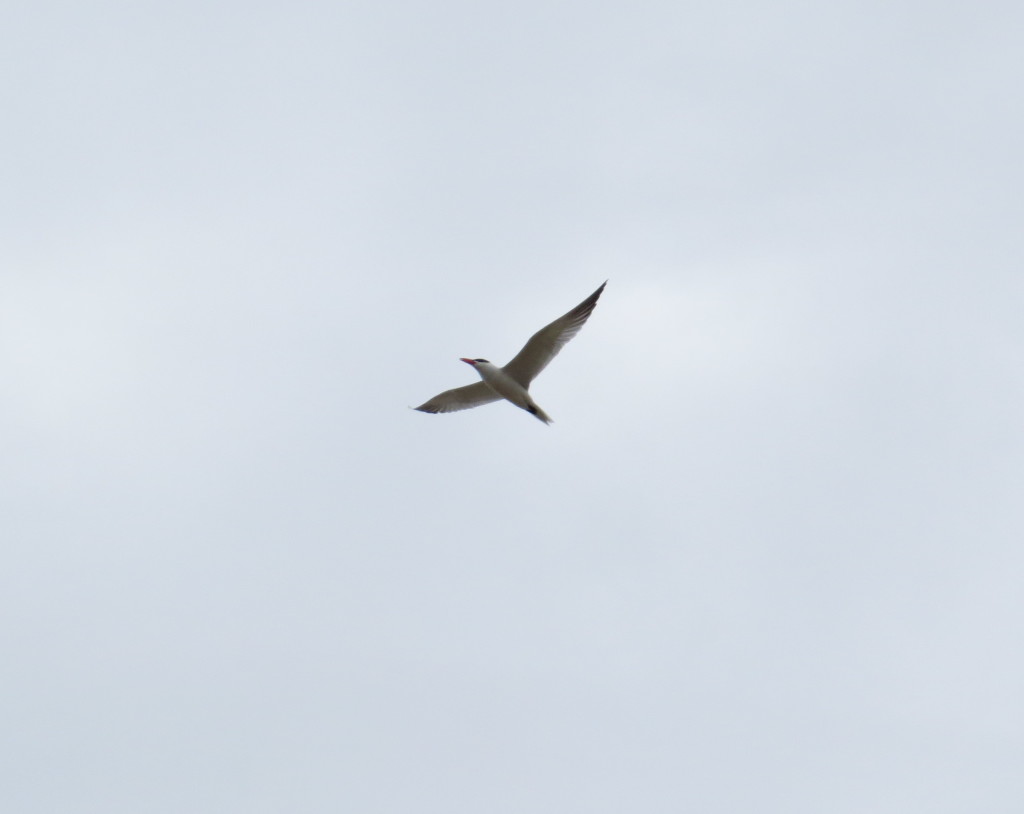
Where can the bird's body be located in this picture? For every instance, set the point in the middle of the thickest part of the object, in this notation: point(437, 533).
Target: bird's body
point(508, 388)
point(512, 382)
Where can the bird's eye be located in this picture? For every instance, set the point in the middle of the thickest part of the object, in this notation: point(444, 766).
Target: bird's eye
point(482, 360)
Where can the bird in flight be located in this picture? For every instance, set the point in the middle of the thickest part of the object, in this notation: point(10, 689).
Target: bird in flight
point(512, 382)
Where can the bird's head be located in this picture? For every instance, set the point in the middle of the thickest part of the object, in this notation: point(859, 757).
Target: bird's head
point(475, 362)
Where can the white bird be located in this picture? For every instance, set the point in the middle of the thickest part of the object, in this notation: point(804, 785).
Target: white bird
point(512, 382)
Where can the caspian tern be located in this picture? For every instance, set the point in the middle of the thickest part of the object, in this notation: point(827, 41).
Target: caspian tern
point(512, 382)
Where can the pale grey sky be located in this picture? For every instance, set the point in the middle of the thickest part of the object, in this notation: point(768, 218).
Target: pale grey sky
point(768, 558)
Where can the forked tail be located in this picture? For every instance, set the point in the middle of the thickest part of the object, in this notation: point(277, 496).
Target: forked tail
point(539, 413)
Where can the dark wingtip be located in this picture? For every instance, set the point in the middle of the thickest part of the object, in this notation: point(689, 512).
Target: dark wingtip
point(588, 304)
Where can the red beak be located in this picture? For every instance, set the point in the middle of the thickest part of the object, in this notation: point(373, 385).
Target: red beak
point(468, 361)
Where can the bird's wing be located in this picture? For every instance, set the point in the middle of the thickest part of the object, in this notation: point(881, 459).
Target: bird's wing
point(461, 398)
point(549, 340)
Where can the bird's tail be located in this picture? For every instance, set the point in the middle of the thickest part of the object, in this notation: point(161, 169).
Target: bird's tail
point(539, 413)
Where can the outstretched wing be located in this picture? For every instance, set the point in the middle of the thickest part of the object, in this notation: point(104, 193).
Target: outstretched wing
point(461, 398)
point(549, 340)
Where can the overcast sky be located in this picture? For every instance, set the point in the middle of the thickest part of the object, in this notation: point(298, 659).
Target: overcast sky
point(767, 559)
